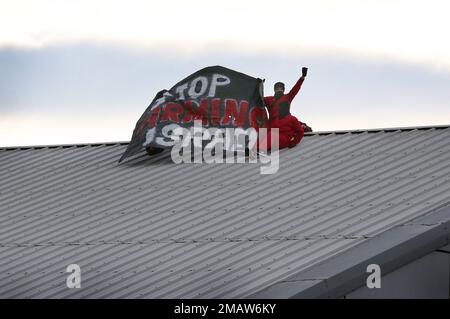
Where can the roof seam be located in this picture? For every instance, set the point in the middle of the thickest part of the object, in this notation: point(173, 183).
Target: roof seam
point(304, 280)
point(178, 241)
point(423, 224)
point(337, 132)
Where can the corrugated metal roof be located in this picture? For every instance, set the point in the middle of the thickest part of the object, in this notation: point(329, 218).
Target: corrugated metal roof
point(150, 228)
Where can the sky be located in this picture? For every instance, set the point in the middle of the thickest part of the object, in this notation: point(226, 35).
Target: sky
point(84, 71)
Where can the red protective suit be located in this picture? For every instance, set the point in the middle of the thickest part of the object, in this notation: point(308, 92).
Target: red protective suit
point(291, 130)
point(272, 105)
point(290, 133)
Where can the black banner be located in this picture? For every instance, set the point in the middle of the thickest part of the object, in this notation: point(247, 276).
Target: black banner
point(216, 96)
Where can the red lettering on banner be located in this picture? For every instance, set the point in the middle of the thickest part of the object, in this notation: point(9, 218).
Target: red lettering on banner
point(150, 121)
point(215, 111)
point(199, 113)
point(187, 111)
point(153, 118)
point(172, 112)
point(232, 115)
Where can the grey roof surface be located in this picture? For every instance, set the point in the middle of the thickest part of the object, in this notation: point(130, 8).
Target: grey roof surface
point(149, 228)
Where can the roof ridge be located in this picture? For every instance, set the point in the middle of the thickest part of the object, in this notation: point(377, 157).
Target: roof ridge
point(338, 132)
point(383, 129)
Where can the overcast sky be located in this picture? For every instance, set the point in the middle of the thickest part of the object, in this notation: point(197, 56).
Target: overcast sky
point(84, 71)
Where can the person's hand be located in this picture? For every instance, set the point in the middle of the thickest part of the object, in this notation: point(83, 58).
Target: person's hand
point(304, 72)
point(306, 128)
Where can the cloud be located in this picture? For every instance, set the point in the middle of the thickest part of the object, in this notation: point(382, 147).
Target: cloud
point(40, 128)
point(91, 93)
point(410, 31)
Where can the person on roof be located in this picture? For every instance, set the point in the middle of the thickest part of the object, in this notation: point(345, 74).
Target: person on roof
point(273, 102)
point(290, 129)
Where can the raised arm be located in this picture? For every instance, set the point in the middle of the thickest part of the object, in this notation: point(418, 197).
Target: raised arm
point(293, 92)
